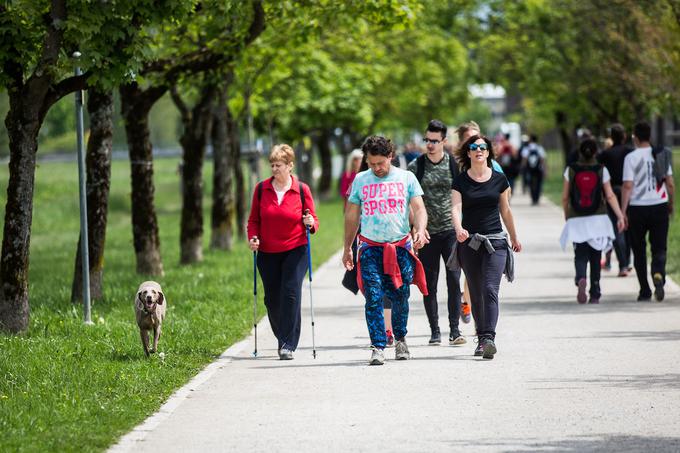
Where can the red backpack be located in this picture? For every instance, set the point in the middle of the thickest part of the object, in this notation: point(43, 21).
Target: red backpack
point(585, 188)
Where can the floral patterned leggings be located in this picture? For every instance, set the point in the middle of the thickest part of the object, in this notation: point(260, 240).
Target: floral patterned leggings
point(376, 285)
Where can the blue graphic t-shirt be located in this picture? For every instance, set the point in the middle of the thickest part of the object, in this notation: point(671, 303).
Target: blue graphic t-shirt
point(384, 203)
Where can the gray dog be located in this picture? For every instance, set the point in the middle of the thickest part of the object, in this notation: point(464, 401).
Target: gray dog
point(150, 311)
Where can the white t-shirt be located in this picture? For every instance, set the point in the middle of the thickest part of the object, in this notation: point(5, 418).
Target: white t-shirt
point(279, 195)
point(638, 167)
point(533, 158)
point(533, 147)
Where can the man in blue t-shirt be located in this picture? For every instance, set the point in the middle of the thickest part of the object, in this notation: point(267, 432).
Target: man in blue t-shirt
point(380, 199)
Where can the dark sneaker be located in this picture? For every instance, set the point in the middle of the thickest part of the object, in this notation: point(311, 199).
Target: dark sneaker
point(390, 339)
point(594, 300)
point(285, 354)
point(659, 293)
point(465, 312)
point(456, 339)
point(435, 338)
point(377, 356)
point(479, 350)
point(401, 350)
point(581, 296)
point(488, 349)
point(644, 297)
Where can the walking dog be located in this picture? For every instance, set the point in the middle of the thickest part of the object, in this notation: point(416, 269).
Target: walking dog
point(150, 305)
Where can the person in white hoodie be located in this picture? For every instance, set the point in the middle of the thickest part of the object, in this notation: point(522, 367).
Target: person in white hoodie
point(586, 187)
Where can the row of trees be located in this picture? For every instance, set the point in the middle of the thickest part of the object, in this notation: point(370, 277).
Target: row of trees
point(202, 53)
point(296, 71)
point(589, 62)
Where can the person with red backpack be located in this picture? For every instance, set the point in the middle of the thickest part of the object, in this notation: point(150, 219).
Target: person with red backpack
point(587, 186)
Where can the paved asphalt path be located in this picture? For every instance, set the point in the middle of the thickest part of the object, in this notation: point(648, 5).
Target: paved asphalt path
point(567, 377)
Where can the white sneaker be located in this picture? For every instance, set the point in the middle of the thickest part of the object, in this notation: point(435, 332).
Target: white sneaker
point(285, 354)
point(401, 351)
point(377, 357)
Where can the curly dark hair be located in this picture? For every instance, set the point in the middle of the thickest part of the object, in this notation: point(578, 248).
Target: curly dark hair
point(462, 152)
point(377, 145)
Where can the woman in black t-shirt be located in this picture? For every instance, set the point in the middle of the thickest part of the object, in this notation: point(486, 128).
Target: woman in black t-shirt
point(479, 199)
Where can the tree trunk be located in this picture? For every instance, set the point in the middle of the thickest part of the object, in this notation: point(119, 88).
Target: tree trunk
point(241, 200)
point(326, 179)
point(98, 162)
point(561, 122)
point(196, 122)
point(135, 106)
point(223, 202)
point(639, 111)
point(660, 131)
point(304, 162)
point(23, 124)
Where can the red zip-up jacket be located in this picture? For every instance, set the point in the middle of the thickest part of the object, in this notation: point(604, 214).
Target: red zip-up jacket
point(280, 228)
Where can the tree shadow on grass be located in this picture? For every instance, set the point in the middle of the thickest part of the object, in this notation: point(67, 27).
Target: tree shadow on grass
point(129, 356)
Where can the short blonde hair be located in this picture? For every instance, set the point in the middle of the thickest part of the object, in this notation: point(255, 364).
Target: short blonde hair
point(282, 153)
point(463, 128)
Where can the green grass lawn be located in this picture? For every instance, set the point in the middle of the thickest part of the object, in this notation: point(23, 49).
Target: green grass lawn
point(553, 190)
point(65, 386)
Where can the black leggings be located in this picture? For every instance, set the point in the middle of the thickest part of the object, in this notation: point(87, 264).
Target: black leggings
point(483, 271)
point(431, 255)
point(584, 254)
point(282, 274)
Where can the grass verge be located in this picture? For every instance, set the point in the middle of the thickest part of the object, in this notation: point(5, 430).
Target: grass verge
point(65, 386)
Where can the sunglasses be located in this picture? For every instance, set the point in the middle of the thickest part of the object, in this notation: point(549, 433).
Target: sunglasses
point(481, 146)
point(434, 142)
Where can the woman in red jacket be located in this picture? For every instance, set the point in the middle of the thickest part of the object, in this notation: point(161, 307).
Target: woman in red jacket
point(282, 209)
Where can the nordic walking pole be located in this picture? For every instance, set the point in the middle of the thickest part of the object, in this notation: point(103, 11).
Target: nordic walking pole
point(311, 302)
point(255, 298)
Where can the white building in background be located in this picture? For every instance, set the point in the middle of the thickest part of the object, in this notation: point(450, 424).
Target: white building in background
point(494, 96)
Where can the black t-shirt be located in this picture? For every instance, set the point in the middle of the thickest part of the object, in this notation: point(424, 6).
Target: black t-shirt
point(612, 159)
point(480, 202)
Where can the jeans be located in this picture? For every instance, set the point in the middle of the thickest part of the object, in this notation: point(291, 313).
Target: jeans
point(621, 241)
point(377, 285)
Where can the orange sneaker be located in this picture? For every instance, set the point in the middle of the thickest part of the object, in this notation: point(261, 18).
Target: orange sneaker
point(465, 312)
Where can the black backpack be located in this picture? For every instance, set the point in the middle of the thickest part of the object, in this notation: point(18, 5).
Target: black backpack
point(533, 159)
point(662, 161)
point(420, 167)
point(585, 188)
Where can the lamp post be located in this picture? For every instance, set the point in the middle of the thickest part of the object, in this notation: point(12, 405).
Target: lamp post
point(82, 181)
